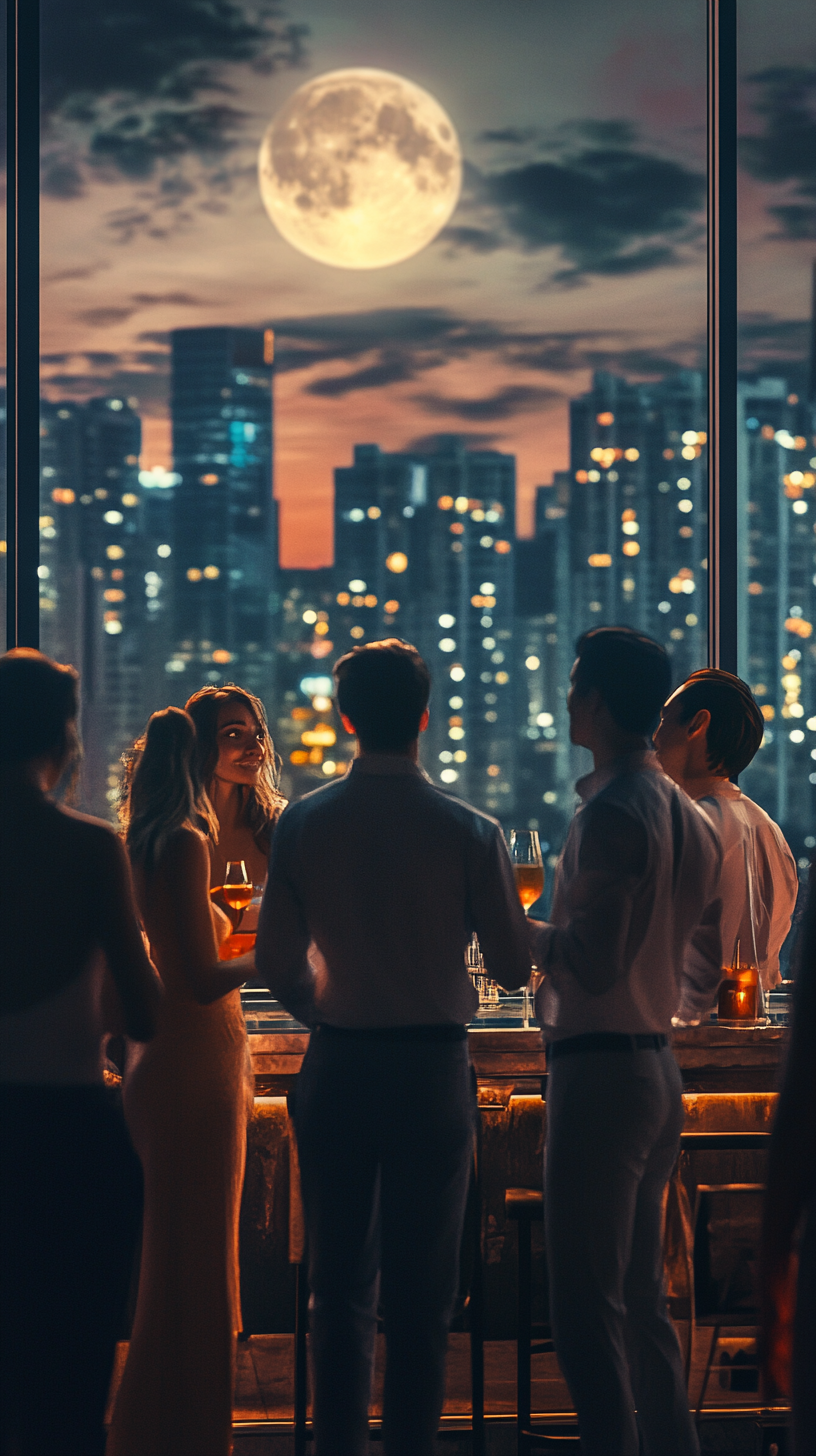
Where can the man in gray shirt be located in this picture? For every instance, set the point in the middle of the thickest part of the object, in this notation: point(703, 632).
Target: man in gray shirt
point(376, 884)
point(635, 930)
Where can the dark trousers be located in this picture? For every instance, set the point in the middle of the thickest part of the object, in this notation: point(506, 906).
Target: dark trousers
point(385, 1139)
point(614, 1120)
point(804, 1341)
point(70, 1205)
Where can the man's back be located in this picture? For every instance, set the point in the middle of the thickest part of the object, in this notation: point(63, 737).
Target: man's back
point(388, 878)
point(759, 881)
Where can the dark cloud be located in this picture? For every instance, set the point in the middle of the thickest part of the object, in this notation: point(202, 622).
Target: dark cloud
point(392, 371)
point(766, 342)
point(476, 240)
point(104, 318)
point(179, 300)
point(785, 151)
point(509, 136)
point(599, 206)
point(137, 88)
point(514, 399)
point(387, 346)
point(471, 439)
point(590, 189)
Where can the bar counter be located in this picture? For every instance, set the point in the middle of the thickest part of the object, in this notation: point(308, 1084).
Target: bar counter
point(729, 1078)
point(506, 1048)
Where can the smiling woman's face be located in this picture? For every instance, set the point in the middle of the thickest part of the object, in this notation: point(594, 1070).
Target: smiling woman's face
point(241, 744)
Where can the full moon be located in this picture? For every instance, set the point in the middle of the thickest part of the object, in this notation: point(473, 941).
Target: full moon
point(360, 169)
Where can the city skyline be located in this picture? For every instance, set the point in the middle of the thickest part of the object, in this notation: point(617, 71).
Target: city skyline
point(156, 582)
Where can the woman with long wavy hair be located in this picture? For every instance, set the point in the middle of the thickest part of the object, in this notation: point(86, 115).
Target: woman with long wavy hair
point(240, 771)
point(187, 1098)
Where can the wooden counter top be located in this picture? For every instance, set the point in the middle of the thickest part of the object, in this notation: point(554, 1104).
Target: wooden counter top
point(712, 1058)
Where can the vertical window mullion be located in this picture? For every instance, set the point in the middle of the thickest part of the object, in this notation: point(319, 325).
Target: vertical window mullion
point(23, 322)
point(722, 334)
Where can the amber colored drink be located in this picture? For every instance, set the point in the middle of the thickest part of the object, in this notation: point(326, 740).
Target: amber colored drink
point(529, 883)
point(238, 897)
point(236, 945)
point(738, 998)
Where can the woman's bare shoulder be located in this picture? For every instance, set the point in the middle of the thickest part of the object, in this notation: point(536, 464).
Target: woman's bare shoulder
point(185, 848)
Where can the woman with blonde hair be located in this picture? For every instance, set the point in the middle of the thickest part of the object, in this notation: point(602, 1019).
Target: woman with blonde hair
point(240, 772)
point(187, 1098)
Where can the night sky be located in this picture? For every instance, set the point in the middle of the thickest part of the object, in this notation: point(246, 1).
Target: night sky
point(578, 242)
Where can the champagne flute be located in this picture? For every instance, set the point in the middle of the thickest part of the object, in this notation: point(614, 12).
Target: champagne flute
point(528, 869)
point(528, 866)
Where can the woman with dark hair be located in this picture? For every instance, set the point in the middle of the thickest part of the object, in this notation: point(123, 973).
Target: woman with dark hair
point(70, 1186)
point(187, 1099)
point(240, 772)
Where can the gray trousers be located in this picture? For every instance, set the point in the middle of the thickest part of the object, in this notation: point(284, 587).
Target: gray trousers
point(614, 1120)
point(385, 1138)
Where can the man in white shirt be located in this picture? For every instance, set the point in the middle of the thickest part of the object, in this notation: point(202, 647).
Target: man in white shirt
point(637, 881)
point(709, 731)
point(376, 884)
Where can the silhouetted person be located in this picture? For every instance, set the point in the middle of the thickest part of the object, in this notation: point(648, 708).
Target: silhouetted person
point(709, 731)
point(788, 1339)
point(376, 884)
point(636, 882)
point(73, 964)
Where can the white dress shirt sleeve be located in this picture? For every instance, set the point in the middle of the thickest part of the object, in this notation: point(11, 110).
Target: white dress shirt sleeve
point(599, 929)
point(282, 943)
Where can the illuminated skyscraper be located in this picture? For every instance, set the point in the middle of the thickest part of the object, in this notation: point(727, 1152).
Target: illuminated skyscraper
point(639, 511)
point(544, 643)
point(224, 517)
point(777, 622)
point(424, 549)
point(99, 607)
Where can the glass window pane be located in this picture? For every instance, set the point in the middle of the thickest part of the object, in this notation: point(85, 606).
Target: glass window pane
point(777, 463)
point(474, 274)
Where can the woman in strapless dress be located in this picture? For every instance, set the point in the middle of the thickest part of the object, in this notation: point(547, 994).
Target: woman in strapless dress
point(240, 771)
point(187, 1100)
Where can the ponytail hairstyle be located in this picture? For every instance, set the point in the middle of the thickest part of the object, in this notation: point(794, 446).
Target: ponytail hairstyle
point(263, 803)
point(163, 790)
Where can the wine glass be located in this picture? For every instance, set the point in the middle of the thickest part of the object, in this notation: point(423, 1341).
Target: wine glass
point(237, 887)
point(528, 869)
point(528, 865)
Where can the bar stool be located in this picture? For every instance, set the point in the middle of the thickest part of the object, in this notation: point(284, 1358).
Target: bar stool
point(718, 1317)
point(525, 1206)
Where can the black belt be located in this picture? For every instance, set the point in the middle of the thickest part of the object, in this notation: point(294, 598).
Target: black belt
point(443, 1032)
point(607, 1041)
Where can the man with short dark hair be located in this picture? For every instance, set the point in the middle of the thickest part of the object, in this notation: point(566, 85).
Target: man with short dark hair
point(382, 879)
point(709, 731)
point(636, 882)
